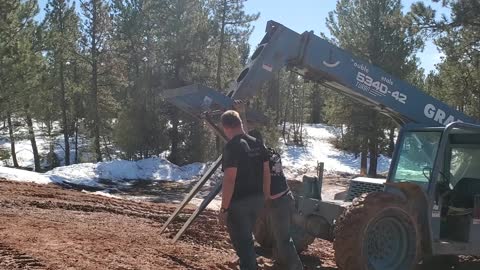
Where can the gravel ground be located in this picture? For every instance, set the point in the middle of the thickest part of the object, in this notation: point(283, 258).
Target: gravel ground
point(47, 227)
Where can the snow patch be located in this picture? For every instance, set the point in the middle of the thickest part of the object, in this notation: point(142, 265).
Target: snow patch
point(23, 176)
point(102, 193)
point(82, 174)
point(297, 159)
point(117, 171)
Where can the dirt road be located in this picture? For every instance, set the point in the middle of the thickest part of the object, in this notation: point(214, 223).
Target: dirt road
point(47, 227)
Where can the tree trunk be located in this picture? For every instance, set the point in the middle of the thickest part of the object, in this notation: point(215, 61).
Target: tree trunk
point(373, 150)
point(373, 142)
point(363, 163)
point(31, 133)
point(51, 150)
point(96, 125)
point(363, 157)
point(12, 140)
point(391, 142)
point(285, 114)
point(277, 99)
point(76, 141)
point(316, 105)
point(64, 113)
point(173, 157)
point(221, 45)
point(272, 95)
point(107, 150)
point(302, 115)
point(94, 90)
point(218, 142)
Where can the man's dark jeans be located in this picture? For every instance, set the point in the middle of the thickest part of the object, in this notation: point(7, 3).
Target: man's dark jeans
point(280, 213)
point(242, 215)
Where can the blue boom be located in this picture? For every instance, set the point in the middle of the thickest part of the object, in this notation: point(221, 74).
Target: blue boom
point(318, 60)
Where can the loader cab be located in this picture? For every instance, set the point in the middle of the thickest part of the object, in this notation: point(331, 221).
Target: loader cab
point(445, 163)
point(414, 156)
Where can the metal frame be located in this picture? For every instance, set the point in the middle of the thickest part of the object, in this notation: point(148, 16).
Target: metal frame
point(192, 192)
point(197, 187)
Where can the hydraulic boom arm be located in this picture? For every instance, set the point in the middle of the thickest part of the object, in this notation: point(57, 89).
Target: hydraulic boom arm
point(318, 60)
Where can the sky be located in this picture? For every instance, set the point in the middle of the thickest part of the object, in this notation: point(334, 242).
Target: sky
point(306, 15)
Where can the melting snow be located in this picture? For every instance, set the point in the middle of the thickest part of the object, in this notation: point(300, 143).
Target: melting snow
point(296, 159)
point(23, 176)
point(91, 174)
point(319, 148)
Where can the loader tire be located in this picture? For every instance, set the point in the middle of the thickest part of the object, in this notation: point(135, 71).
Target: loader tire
point(376, 232)
point(264, 236)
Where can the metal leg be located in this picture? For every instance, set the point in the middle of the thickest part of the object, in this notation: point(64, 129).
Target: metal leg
point(199, 210)
point(193, 192)
point(197, 187)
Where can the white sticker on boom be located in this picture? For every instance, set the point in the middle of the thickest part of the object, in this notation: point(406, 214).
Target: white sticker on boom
point(476, 221)
point(435, 214)
point(267, 67)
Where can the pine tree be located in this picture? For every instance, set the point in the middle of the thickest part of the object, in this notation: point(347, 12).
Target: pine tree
point(96, 32)
point(230, 29)
point(140, 128)
point(10, 30)
point(62, 33)
point(375, 31)
point(187, 40)
point(22, 66)
point(457, 80)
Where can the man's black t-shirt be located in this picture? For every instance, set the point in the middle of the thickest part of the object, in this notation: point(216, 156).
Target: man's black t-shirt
point(278, 180)
point(247, 154)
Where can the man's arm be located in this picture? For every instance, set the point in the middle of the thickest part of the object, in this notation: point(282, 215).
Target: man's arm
point(229, 176)
point(266, 180)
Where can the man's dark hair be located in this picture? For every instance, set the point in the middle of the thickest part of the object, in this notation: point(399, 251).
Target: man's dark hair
point(231, 119)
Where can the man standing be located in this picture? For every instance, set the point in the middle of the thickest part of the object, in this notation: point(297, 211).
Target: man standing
point(280, 211)
point(246, 184)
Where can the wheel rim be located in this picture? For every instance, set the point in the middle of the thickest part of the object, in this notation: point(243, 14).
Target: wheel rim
point(387, 243)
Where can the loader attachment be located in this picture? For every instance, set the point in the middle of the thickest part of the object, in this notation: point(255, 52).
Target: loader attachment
point(197, 99)
point(203, 103)
point(193, 192)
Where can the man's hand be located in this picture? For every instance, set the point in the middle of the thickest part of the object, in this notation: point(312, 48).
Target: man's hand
point(222, 218)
